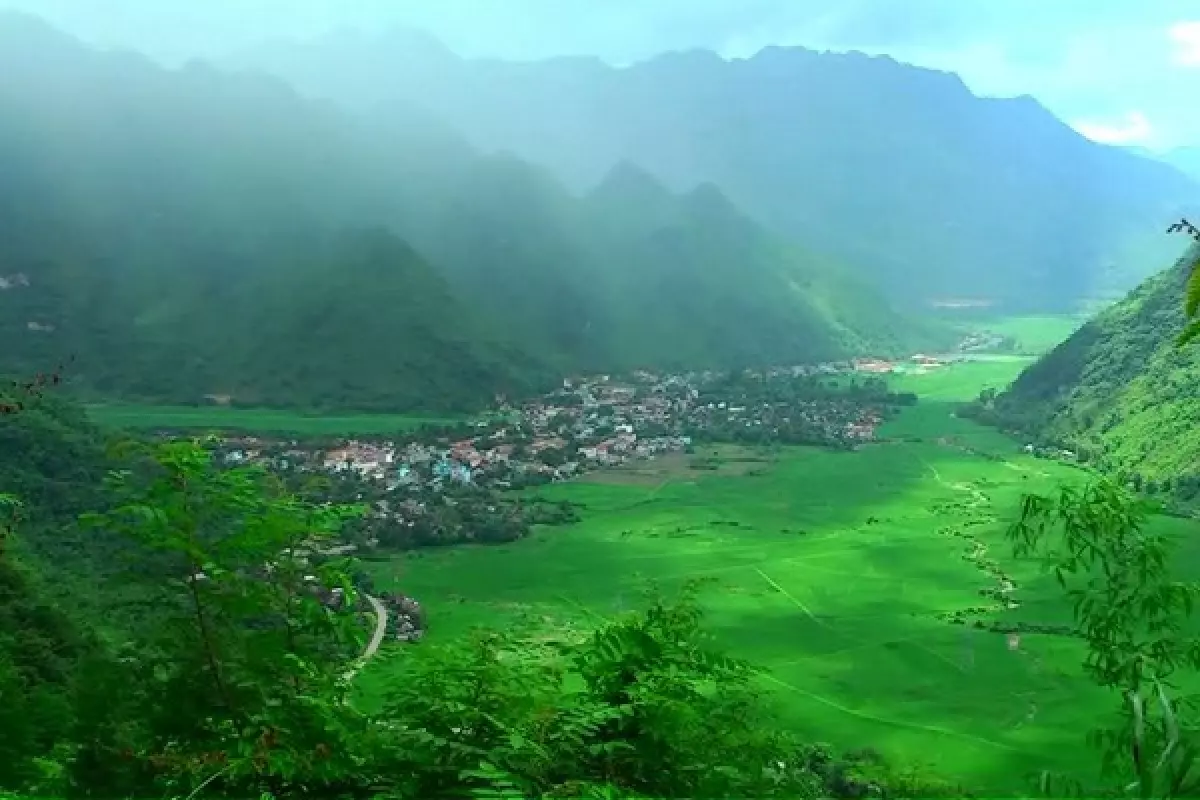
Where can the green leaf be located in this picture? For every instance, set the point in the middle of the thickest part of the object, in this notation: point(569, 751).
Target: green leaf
point(1192, 303)
point(1189, 333)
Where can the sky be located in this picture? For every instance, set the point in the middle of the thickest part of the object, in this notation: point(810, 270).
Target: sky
point(1119, 71)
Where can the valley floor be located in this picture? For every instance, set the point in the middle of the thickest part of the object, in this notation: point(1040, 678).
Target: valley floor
point(835, 571)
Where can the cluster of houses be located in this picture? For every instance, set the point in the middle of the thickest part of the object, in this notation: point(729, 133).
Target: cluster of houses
point(588, 423)
point(918, 363)
point(406, 618)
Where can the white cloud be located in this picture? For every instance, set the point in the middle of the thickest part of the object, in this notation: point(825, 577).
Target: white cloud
point(1186, 38)
point(1133, 129)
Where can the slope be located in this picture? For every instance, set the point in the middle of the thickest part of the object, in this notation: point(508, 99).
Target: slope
point(1119, 392)
point(162, 227)
point(694, 280)
point(192, 232)
point(928, 189)
point(1185, 159)
point(635, 276)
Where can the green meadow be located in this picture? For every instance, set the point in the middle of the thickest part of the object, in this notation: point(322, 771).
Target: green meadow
point(258, 420)
point(1034, 334)
point(830, 570)
point(1039, 333)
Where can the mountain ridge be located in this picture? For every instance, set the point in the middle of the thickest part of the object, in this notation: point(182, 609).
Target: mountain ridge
point(162, 215)
point(939, 205)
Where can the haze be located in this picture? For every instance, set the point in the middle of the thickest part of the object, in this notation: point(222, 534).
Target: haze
point(598, 398)
point(1120, 71)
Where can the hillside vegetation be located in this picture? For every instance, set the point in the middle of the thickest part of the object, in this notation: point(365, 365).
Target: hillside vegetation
point(922, 186)
point(1119, 392)
point(192, 233)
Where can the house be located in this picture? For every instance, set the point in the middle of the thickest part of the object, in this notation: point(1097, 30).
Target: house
point(550, 443)
point(874, 366)
point(405, 476)
point(452, 470)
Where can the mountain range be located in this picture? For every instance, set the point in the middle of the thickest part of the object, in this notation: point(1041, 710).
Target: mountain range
point(900, 172)
point(196, 232)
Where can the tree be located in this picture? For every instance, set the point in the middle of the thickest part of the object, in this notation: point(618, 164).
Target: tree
point(1135, 619)
point(20, 392)
point(246, 677)
point(1192, 296)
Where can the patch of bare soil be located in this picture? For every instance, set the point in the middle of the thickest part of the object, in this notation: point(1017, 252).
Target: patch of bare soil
point(719, 460)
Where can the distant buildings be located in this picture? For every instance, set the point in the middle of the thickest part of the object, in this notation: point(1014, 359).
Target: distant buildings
point(873, 366)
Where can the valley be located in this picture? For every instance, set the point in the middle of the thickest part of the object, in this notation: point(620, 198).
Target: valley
point(871, 583)
point(681, 411)
point(840, 573)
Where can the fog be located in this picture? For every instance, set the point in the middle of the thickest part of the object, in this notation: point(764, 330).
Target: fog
point(574, 186)
point(1065, 60)
point(528, 303)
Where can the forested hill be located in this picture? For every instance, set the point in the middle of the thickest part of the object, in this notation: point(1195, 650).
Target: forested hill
point(900, 171)
point(1119, 392)
point(193, 232)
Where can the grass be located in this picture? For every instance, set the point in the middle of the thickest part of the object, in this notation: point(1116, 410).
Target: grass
point(258, 420)
point(831, 571)
point(1036, 334)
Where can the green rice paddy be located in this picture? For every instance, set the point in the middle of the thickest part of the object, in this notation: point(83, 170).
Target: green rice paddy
point(1037, 334)
point(830, 570)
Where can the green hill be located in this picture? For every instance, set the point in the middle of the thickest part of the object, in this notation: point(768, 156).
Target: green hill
point(192, 232)
point(1119, 392)
point(901, 172)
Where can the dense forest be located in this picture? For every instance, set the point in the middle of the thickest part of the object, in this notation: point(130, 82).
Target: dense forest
point(1118, 393)
point(181, 247)
point(949, 195)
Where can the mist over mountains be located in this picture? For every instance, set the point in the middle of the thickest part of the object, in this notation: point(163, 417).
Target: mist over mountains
point(196, 232)
point(925, 189)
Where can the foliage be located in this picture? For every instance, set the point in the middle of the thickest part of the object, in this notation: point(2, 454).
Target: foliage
point(1134, 617)
point(1191, 307)
point(250, 661)
point(1119, 393)
point(39, 644)
point(658, 714)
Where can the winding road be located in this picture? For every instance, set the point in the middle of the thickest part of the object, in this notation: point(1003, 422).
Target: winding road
point(381, 620)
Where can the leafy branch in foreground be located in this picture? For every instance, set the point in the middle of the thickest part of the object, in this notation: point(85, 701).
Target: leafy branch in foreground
point(1135, 619)
point(252, 662)
point(19, 393)
point(1191, 306)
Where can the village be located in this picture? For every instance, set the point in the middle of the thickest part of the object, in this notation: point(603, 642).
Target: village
point(592, 423)
point(599, 422)
point(440, 485)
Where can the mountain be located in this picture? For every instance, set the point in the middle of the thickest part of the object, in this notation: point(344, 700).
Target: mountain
point(1185, 159)
point(929, 190)
point(670, 262)
point(1119, 392)
point(194, 232)
point(186, 233)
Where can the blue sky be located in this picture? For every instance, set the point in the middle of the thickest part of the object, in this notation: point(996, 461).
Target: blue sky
point(1123, 71)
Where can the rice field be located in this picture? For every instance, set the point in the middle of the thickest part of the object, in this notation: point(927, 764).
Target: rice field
point(833, 571)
